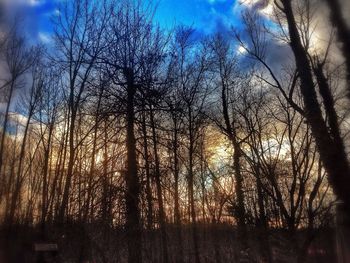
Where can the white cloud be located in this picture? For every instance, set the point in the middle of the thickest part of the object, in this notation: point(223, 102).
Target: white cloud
point(35, 2)
point(264, 7)
point(44, 37)
point(56, 12)
point(214, 1)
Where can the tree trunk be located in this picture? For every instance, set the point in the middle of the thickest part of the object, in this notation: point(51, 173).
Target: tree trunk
point(104, 205)
point(191, 186)
point(328, 102)
point(44, 197)
point(177, 215)
point(133, 227)
point(64, 203)
point(148, 174)
point(264, 237)
point(239, 193)
point(3, 134)
point(18, 184)
point(230, 131)
point(159, 190)
point(93, 158)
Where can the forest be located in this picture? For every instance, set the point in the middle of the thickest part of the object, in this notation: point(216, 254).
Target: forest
point(122, 141)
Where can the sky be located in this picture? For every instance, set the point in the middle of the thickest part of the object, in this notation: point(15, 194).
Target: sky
point(205, 16)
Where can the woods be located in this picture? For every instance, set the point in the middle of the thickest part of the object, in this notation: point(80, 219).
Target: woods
point(125, 142)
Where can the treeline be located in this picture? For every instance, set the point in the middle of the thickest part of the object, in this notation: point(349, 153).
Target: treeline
point(122, 125)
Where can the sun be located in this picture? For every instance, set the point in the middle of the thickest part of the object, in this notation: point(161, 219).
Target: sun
point(241, 50)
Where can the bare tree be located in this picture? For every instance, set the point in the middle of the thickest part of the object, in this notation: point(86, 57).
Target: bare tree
point(35, 92)
point(134, 48)
point(228, 83)
point(18, 59)
point(79, 38)
point(332, 152)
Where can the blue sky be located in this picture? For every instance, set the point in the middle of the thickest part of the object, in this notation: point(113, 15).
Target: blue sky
point(204, 15)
